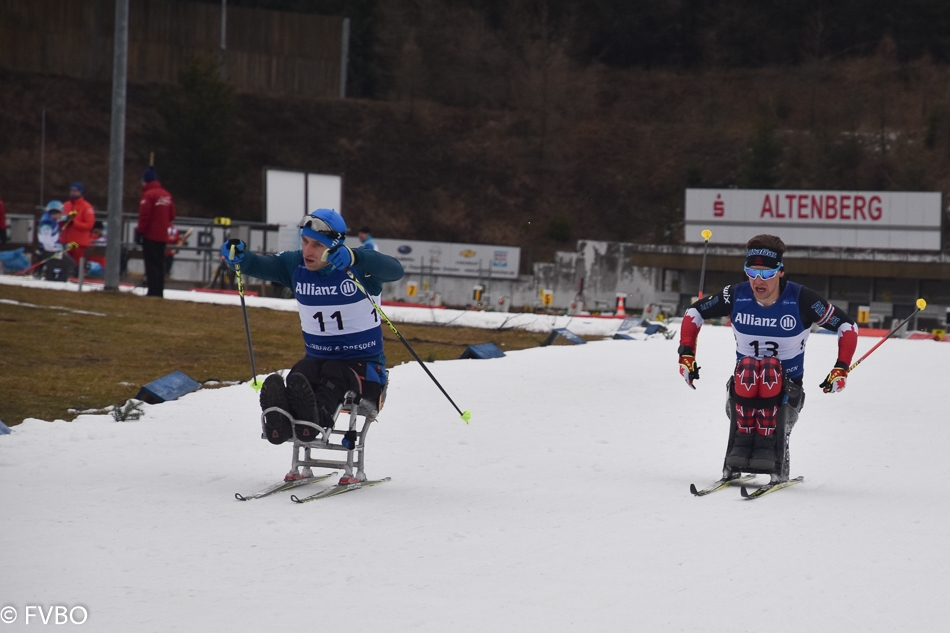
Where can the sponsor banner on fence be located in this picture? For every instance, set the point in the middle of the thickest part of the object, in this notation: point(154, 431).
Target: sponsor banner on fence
point(461, 260)
point(841, 219)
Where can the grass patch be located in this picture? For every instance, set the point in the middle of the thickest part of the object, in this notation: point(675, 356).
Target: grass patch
point(91, 350)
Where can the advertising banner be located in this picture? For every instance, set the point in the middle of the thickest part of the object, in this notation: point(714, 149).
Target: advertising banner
point(460, 260)
point(838, 219)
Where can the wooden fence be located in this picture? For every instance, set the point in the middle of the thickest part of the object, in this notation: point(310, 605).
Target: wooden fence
point(267, 51)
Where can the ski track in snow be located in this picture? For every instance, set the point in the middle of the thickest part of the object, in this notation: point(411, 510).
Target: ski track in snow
point(563, 506)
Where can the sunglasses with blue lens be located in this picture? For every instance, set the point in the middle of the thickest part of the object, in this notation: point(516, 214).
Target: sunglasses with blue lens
point(752, 273)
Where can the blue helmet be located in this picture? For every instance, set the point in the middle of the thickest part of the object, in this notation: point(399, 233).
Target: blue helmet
point(54, 205)
point(324, 225)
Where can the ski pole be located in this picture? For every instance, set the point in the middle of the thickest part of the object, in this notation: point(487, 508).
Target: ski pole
point(466, 415)
point(247, 328)
point(921, 304)
point(69, 247)
point(702, 275)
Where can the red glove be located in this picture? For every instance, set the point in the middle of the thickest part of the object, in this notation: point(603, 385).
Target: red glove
point(689, 370)
point(837, 378)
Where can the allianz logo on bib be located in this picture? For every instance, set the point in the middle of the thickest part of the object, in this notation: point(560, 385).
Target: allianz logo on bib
point(787, 322)
point(303, 288)
point(348, 288)
point(748, 319)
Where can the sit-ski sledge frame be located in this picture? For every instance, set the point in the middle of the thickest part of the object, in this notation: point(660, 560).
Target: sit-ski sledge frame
point(302, 461)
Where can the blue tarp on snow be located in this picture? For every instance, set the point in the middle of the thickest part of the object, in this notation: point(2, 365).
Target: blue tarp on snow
point(14, 261)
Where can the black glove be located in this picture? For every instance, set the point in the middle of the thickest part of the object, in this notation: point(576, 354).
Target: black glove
point(139, 238)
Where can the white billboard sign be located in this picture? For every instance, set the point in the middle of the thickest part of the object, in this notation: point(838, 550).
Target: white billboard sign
point(840, 219)
point(324, 192)
point(289, 195)
point(460, 260)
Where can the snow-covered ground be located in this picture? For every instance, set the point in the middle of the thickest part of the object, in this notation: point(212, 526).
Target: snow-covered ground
point(562, 506)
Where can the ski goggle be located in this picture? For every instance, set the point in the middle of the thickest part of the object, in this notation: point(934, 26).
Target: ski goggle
point(767, 274)
point(320, 226)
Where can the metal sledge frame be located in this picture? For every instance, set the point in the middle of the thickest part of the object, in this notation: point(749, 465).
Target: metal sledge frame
point(302, 461)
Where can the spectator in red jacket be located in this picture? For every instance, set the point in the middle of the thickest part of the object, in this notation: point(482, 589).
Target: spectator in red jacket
point(79, 219)
point(156, 214)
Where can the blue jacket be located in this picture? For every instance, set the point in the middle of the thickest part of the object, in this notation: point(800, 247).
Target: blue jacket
point(337, 320)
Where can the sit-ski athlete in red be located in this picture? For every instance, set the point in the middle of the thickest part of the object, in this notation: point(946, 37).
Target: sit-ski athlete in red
point(771, 319)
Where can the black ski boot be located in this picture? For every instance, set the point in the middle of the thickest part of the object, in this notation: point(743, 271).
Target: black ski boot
point(303, 406)
point(277, 428)
point(741, 450)
point(763, 452)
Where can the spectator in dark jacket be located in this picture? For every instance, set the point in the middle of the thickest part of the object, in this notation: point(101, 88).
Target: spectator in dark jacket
point(156, 214)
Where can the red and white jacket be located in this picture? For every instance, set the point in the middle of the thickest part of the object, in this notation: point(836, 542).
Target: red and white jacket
point(156, 212)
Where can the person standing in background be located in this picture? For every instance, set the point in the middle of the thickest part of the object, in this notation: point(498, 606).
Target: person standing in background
point(47, 235)
point(367, 240)
point(156, 214)
point(80, 218)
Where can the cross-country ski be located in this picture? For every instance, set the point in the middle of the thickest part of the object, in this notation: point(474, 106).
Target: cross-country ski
point(716, 486)
point(769, 488)
point(283, 486)
point(338, 489)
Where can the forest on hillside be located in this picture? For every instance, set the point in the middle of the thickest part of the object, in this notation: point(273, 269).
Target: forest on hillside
point(533, 123)
point(673, 34)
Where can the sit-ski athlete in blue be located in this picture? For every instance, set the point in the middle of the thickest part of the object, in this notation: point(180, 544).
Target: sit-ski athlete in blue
point(342, 336)
point(771, 319)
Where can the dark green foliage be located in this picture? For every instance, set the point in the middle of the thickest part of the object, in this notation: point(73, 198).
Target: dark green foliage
point(694, 176)
point(559, 230)
point(657, 33)
point(666, 224)
point(934, 125)
point(760, 165)
point(754, 33)
point(197, 141)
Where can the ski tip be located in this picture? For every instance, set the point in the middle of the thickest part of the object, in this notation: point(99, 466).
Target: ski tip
point(744, 492)
point(239, 496)
point(692, 489)
point(295, 499)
